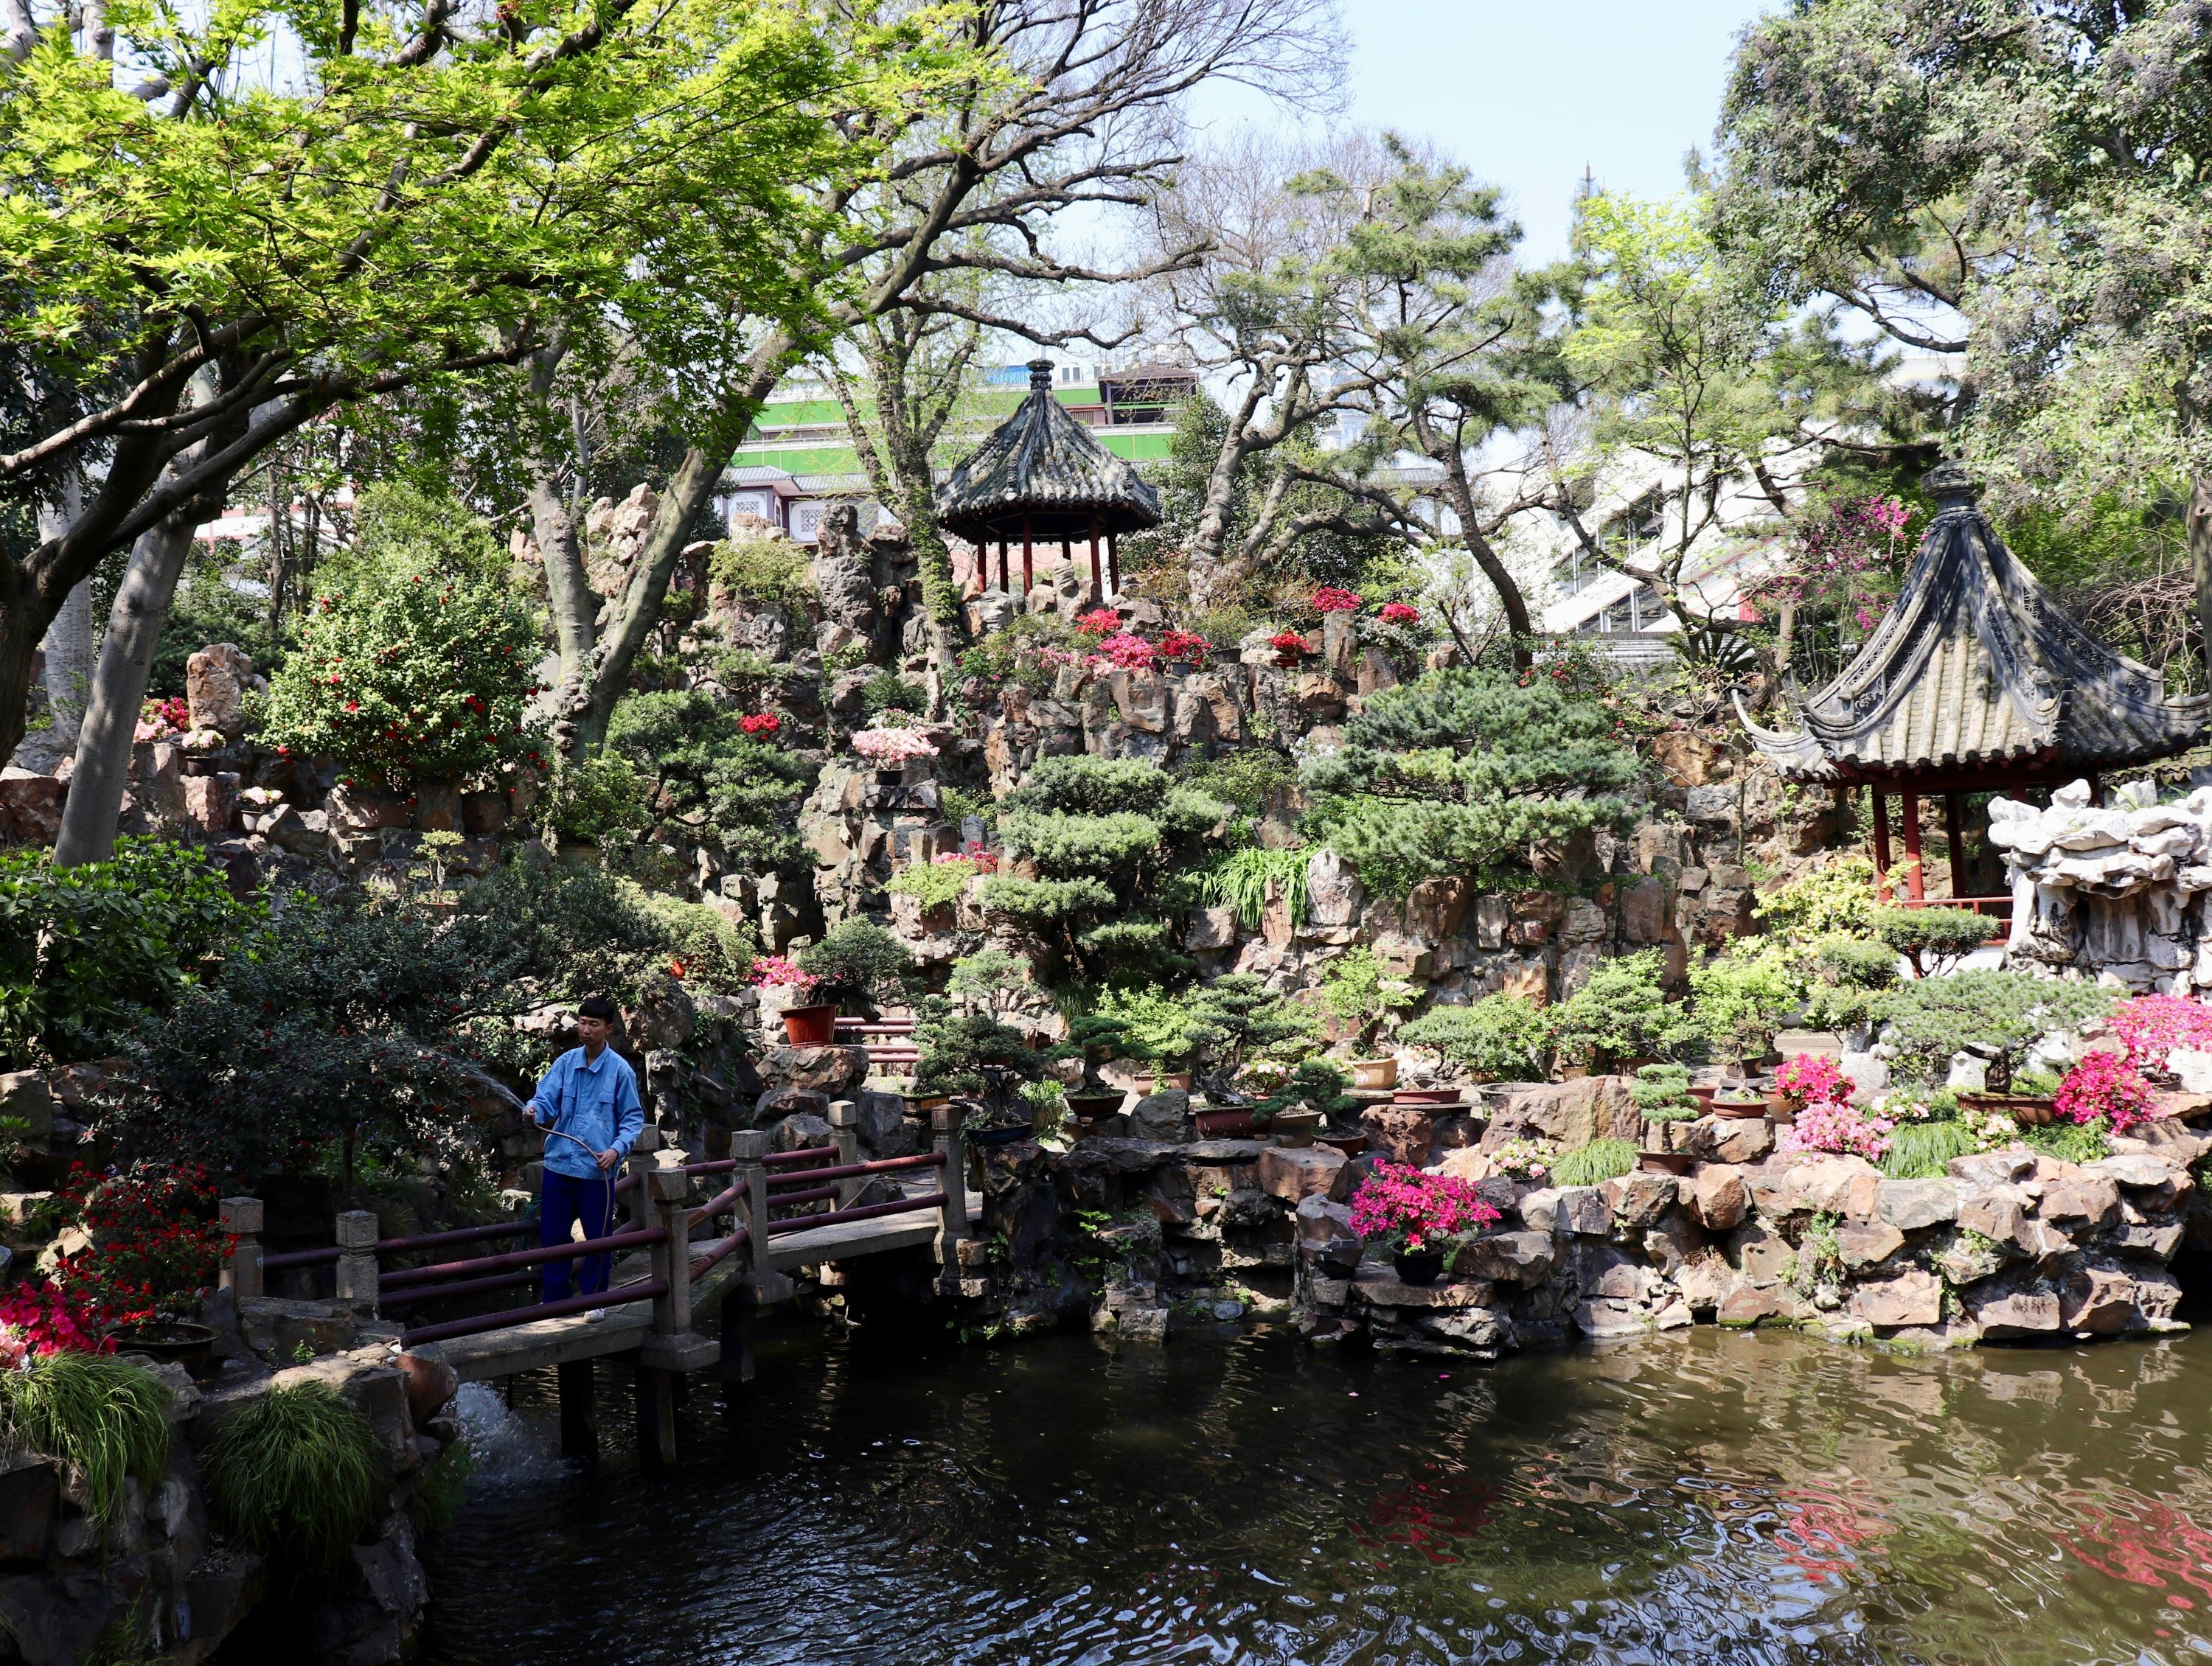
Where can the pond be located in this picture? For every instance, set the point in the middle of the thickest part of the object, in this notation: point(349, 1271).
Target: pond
point(1729, 1497)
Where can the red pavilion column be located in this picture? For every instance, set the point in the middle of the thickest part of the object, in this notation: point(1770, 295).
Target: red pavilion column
point(1881, 844)
point(1914, 883)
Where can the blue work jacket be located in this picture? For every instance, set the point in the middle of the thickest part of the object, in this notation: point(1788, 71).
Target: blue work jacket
point(596, 1101)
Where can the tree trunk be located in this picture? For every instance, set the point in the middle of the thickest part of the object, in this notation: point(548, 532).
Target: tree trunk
point(2199, 522)
point(68, 644)
point(1518, 622)
point(1203, 557)
point(126, 661)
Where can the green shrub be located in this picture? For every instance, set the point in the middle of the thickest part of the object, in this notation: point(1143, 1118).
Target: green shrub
point(596, 799)
point(1462, 768)
point(956, 806)
point(1080, 784)
point(1932, 939)
point(887, 691)
point(769, 571)
point(1238, 1017)
point(971, 1053)
point(414, 673)
point(1046, 902)
point(295, 1475)
point(1147, 1024)
point(1248, 777)
point(1661, 1092)
point(1240, 882)
point(1923, 1150)
point(932, 884)
point(1740, 999)
point(2005, 1011)
point(859, 961)
point(695, 765)
point(1835, 899)
point(83, 948)
point(1593, 1164)
point(1504, 1037)
point(2070, 1142)
point(102, 1418)
point(1072, 846)
point(1619, 1012)
point(1356, 992)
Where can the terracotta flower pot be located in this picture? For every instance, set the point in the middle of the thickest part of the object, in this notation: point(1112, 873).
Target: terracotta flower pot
point(1346, 1146)
point(810, 1027)
point(1426, 1096)
point(1374, 1074)
point(2028, 1110)
point(1704, 1096)
point(1739, 1111)
point(1664, 1162)
point(1295, 1129)
point(1093, 1107)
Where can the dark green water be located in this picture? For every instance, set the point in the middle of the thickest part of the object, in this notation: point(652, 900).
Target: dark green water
point(1699, 1497)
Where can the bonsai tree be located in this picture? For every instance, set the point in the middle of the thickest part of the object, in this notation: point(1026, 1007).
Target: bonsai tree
point(1155, 1026)
point(1661, 1092)
point(859, 962)
point(1619, 1013)
point(1931, 938)
point(1500, 1038)
point(1848, 973)
point(972, 1055)
point(990, 982)
point(1356, 993)
point(1095, 1038)
point(1999, 1014)
point(1238, 1017)
point(1739, 1001)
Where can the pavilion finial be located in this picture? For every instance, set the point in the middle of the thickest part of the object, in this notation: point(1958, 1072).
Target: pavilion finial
point(1950, 484)
point(1040, 376)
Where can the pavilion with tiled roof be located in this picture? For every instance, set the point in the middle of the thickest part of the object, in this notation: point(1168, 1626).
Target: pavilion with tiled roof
point(1975, 680)
point(1042, 478)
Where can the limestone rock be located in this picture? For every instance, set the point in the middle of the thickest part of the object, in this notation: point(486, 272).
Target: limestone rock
point(30, 807)
point(1295, 1174)
point(1864, 1244)
point(2008, 1312)
point(1568, 1113)
point(1405, 1132)
point(1914, 1205)
point(831, 1071)
point(1523, 1258)
point(217, 679)
point(1162, 1116)
point(1718, 1196)
point(1912, 1297)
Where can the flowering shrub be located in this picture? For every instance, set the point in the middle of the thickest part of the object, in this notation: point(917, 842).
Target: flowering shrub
point(158, 719)
point(1128, 652)
point(1523, 1160)
point(1288, 642)
point(1330, 599)
point(779, 973)
point(1843, 1129)
point(1398, 613)
point(1813, 1079)
point(2105, 1086)
point(413, 673)
point(2152, 1026)
point(890, 748)
point(155, 1248)
point(1908, 1104)
point(1185, 644)
point(1099, 621)
point(1413, 1211)
point(975, 856)
point(760, 723)
point(41, 1319)
point(1843, 555)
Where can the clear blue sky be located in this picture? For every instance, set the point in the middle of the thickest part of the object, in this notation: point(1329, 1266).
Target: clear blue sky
point(1526, 92)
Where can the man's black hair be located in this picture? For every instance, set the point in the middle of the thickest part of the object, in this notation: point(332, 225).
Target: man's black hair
point(596, 1006)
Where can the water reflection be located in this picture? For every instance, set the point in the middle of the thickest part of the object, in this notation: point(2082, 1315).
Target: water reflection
point(1738, 1497)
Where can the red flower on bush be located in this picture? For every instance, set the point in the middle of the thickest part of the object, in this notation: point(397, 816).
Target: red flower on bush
point(1330, 599)
point(1397, 613)
point(1814, 1079)
point(2105, 1086)
point(1128, 652)
point(1288, 642)
point(760, 723)
point(41, 1319)
point(155, 1241)
point(1099, 621)
point(1185, 644)
point(2152, 1026)
point(1411, 1208)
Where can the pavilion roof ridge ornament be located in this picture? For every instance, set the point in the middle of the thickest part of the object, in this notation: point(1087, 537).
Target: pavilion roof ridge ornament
point(1040, 474)
point(1976, 671)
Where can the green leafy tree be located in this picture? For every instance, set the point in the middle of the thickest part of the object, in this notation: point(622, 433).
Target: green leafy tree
point(1503, 1038)
point(2015, 181)
point(1462, 768)
point(411, 674)
point(699, 769)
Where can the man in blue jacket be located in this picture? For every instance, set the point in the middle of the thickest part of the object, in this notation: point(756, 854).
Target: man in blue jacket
point(588, 1101)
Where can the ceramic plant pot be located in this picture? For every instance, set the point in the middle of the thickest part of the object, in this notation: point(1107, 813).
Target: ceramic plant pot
point(1664, 1162)
point(1224, 1124)
point(1374, 1074)
point(1418, 1266)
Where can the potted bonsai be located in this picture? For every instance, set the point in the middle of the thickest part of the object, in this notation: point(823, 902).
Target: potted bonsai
point(978, 1057)
point(1619, 1015)
point(1998, 1015)
point(1360, 996)
point(1661, 1092)
point(1740, 1001)
point(1500, 1038)
point(1095, 1039)
point(1419, 1217)
point(856, 965)
point(1305, 1098)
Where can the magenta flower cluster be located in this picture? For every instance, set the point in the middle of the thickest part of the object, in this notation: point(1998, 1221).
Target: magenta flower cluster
point(1414, 1210)
point(2107, 1087)
point(2152, 1026)
point(1839, 1128)
point(1813, 1079)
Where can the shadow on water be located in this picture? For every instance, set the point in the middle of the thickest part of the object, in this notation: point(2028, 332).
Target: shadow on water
point(1745, 1498)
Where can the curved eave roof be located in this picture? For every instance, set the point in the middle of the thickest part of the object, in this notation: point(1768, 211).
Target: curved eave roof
point(1042, 466)
point(1977, 668)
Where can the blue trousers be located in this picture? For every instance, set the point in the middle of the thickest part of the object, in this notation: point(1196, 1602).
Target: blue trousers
point(563, 1200)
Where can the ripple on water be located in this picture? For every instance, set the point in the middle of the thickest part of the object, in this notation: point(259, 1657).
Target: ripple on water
point(1737, 1498)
